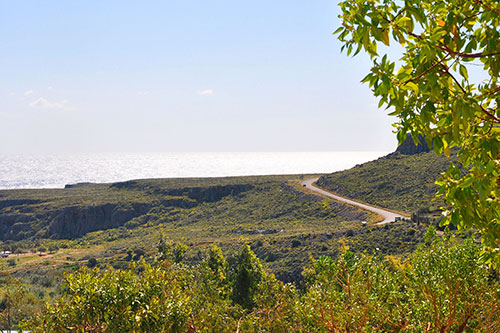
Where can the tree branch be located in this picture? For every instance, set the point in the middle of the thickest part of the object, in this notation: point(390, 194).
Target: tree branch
point(487, 7)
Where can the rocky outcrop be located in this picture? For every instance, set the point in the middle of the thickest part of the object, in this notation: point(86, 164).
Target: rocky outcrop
point(77, 185)
point(76, 221)
point(200, 194)
point(408, 147)
point(22, 222)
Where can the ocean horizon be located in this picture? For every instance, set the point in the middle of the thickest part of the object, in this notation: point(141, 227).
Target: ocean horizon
point(22, 171)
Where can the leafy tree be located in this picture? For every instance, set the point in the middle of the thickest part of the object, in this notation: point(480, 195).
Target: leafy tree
point(53, 248)
point(444, 86)
point(138, 254)
point(442, 287)
point(247, 276)
point(42, 249)
point(130, 253)
point(217, 264)
point(92, 262)
point(178, 252)
point(118, 301)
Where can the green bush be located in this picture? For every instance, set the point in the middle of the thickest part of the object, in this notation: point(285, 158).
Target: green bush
point(92, 262)
point(443, 286)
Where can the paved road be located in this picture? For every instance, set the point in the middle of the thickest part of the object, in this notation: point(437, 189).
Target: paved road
point(387, 215)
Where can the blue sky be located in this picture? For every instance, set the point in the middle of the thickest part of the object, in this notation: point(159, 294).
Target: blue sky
point(132, 76)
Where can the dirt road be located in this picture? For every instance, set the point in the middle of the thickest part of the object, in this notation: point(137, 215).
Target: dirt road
point(387, 215)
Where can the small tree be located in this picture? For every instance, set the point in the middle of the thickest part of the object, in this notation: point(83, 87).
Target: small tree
point(216, 261)
point(171, 251)
point(217, 265)
point(139, 253)
point(247, 276)
point(130, 253)
point(92, 262)
point(214, 275)
point(11, 304)
point(42, 249)
point(53, 248)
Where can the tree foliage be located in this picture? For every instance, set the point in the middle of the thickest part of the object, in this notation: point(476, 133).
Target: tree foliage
point(444, 85)
point(247, 276)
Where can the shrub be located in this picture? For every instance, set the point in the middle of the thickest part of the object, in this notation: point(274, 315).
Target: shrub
point(92, 262)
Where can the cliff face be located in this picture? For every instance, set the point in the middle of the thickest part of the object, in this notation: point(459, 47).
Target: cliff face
point(199, 194)
point(76, 221)
point(408, 147)
point(26, 219)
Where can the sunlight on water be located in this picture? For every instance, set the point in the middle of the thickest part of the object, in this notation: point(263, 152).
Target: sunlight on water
point(55, 171)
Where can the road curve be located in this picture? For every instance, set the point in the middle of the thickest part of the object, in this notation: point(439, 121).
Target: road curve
point(387, 215)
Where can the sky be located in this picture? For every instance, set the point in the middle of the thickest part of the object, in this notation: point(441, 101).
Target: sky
point(186, 75)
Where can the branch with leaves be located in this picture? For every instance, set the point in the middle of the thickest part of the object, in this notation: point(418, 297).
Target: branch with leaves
point(435, 44)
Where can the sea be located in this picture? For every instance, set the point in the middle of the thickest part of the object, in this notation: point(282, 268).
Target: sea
point(57, 170)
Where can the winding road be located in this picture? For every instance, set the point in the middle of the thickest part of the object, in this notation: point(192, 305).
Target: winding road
point(387, 215)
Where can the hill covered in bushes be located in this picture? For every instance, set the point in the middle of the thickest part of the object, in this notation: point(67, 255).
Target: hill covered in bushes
point(403, 180)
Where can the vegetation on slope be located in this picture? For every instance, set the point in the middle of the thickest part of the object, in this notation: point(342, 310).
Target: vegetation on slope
point(238, 205)
point(402, 182)
point(283, 225)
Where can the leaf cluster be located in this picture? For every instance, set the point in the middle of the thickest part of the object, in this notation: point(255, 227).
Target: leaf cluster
point(444, 85)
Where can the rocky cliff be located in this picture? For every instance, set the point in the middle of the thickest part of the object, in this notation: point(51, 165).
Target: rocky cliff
point(408, 147)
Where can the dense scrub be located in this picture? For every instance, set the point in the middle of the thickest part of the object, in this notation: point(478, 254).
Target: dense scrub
point(440, 287)
point(284, 226)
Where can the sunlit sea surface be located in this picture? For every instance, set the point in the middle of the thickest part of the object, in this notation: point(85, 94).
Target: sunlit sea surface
point(57, 170)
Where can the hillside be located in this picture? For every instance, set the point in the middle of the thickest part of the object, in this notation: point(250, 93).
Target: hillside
point(239, 205)
point(403, 180)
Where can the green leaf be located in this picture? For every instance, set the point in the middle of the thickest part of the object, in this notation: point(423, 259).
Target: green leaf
point(338, 30)
point(385, 37)
point(410, 86)
point(467, 183)
point(463, 72)
point(446, 148)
